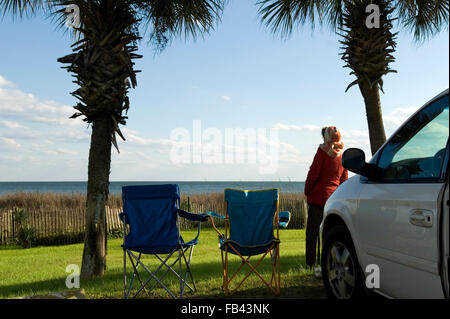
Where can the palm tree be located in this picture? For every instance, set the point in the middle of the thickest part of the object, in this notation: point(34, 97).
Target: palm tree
point(103, 68)
point(367, 50)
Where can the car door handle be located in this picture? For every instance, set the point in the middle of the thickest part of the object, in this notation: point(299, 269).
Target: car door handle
point(421, 217)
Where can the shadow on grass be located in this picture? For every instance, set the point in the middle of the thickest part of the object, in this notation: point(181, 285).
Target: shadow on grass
point(295, 283)
point(208, 276)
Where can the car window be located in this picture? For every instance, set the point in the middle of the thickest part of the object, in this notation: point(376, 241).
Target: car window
point(417, 150)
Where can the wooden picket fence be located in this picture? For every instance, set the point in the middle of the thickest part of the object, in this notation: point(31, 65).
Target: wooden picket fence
point(297, 208)
point(56, 227)
point(68, 226)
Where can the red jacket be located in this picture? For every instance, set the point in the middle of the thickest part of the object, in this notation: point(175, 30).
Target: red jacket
point(324, 176)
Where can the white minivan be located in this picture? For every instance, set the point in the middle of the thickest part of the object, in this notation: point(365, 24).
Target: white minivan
point(386, 229)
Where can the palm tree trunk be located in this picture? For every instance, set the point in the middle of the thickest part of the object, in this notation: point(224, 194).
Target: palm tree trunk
point(94, 253)
point(374, 117)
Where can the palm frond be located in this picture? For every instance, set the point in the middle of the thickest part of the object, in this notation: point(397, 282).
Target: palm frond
point(166, 19)
point(20, 8)
point(424, 18)
point(333, 12)
point(281, 16)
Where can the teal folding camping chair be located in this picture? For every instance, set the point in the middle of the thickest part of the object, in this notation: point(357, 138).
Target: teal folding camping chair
point(252, 221)
point(151, 227)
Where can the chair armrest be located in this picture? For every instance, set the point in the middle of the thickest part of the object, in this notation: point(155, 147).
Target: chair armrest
point(192, 216)
point(123, 218)
point(284, 218)
point(212, 214)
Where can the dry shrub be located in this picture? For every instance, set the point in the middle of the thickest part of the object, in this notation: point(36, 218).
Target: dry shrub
point(197, 203)
point(35, 201)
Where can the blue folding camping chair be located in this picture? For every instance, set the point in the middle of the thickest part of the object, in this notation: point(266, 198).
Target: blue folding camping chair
point(151, 227)
point(252, 223)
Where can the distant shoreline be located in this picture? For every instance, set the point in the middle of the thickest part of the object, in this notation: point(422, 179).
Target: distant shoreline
point(188, 188)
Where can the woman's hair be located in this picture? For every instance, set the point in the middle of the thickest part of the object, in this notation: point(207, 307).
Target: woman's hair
point(323, 131)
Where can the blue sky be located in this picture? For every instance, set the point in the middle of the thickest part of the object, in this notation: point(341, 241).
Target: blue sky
point(240, 76)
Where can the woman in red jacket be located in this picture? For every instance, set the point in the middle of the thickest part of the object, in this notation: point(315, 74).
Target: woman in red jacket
point(325, 175)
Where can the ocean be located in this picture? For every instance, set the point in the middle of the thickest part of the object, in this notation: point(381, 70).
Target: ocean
point(187, 188)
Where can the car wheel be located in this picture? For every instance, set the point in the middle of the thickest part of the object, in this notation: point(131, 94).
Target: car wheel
point(341, 272)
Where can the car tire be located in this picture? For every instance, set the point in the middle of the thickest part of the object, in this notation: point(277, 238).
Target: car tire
point(341, 272)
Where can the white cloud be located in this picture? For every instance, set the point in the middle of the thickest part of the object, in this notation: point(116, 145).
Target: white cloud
point(68, 152)
point(37, 140)
point(132, 138)
point(12, 125)
point(296, 128)
point(4, 82)
point(397, 117)
point(23, 115)
point(8, 158)
point(357, 138)
point(41, 134)
point(9, 142)
point(26, 107)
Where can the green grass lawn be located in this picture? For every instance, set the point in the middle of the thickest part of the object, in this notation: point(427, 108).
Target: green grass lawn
point(42, 270)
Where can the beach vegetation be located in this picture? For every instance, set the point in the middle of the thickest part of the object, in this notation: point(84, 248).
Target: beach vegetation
point(26, 235)
point(58, 219)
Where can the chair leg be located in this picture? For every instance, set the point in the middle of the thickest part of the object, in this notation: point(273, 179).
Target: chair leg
point(165, 273)
point(188, 268)
point(124, 274)
point(169, 268)
point(183, 281)
point(190, 272)
point(275, 259)
point(152, 277)
point(278, 269)
point(135, 271)
point(225, 272)
point(136, 274)
point(275, 269)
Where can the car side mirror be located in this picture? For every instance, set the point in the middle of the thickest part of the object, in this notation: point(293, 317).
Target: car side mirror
point(354, 160)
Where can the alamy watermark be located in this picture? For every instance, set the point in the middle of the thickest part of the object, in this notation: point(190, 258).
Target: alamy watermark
point(258, 146)
point(373, 277)
point(373, 19)
point(73, 16)
point(73, 280)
